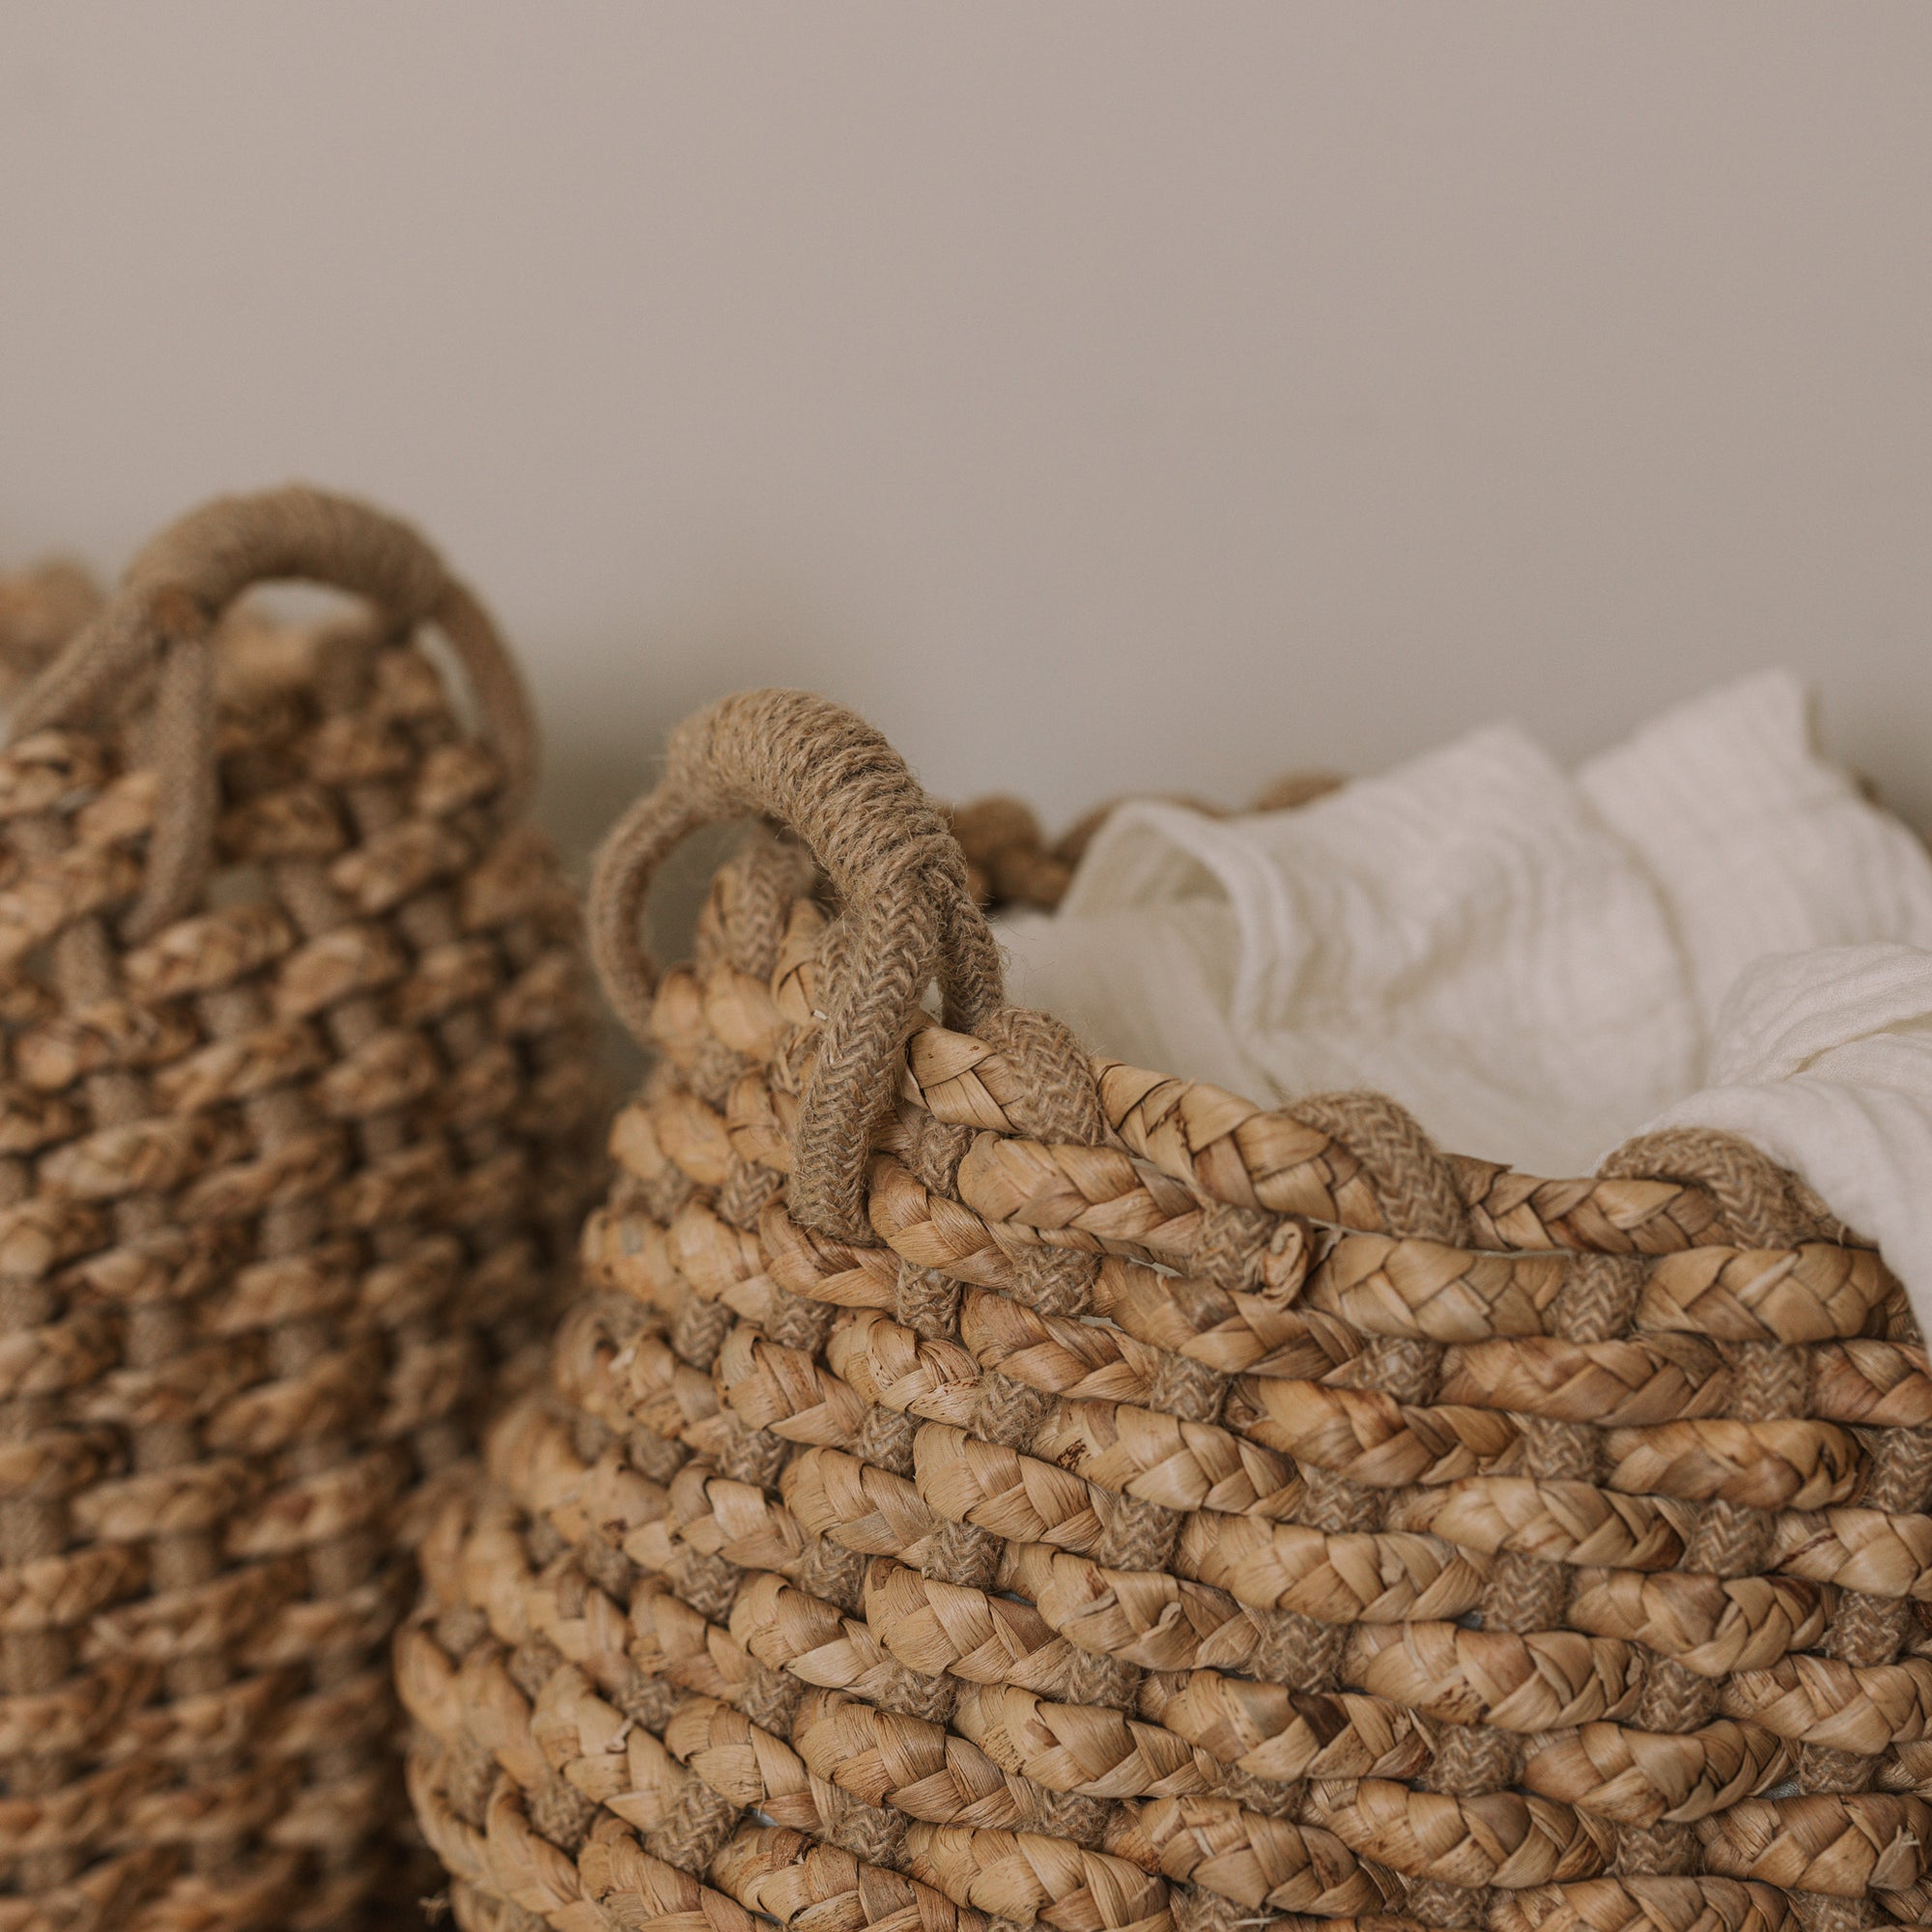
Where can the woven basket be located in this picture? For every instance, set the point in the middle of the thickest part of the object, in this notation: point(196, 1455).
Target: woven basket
point(297, 1095)
point(984, 1486)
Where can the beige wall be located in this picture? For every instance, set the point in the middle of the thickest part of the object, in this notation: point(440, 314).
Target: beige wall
point(1098, 395)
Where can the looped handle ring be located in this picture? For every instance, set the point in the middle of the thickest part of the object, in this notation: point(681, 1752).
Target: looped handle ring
point(166, 608)
point(832, 781)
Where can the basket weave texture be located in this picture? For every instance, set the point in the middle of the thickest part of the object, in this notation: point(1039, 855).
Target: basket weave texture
point(294, 1120)
point(981, 1486)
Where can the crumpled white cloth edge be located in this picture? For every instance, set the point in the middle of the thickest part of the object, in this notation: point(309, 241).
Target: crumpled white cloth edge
point(1823, 1060)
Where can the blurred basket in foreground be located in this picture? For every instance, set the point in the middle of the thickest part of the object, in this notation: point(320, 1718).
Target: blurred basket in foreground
point(292, 1130)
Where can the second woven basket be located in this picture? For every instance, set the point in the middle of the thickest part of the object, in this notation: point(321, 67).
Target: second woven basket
point(296, 1119)
point(984, 1486)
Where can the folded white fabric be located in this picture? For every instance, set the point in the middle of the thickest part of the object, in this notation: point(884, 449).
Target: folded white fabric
point(1463, 934)
point(1758, 844)
point(1539, 964)
point(1823, 1060)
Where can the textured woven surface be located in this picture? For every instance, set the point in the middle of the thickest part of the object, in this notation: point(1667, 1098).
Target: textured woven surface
point(1165, 1511)
point(281, 1186)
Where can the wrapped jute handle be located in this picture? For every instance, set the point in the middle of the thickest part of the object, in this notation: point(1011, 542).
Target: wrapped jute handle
point(834, 783)
point(167, 606)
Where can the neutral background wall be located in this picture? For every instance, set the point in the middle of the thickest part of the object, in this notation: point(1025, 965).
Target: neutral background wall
point(1098, 395)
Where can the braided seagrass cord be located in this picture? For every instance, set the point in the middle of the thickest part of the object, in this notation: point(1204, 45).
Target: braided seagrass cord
point(984, 1486)
point(295, 1119)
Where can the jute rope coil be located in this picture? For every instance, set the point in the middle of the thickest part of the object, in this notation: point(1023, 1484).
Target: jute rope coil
point(295, 1122)
point(984, 1486)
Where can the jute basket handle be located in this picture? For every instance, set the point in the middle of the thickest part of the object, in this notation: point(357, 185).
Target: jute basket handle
point(832, 781)
point(167, 606)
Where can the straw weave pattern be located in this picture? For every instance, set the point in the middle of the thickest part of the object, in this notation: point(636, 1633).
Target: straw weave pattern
point(282, 1187)
point(1174, 1513)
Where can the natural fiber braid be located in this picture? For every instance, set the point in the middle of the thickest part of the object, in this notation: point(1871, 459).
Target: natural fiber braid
point(828, 1571)
point(1422, 1201)
point(32, 1528)
point(1867, 1632)
point(1756, 1196)
point(1634, 1344)
point(751, 899)
point(1525, 1592)
point(166, 607)
point(39, 610)
point(33, 1662)
point(85, 970)
point(1059, 1104)
point(1772, 1381)
point(266, 1444)
point(1416, 1184)
point(854, 805)
point(229, 1352)
point(927, 1300)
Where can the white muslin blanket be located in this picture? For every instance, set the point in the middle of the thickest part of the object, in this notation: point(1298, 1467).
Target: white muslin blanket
point(1707, 925)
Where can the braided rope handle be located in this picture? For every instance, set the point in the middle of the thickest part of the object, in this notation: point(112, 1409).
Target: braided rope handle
point(831, 780)
point(168, 603)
